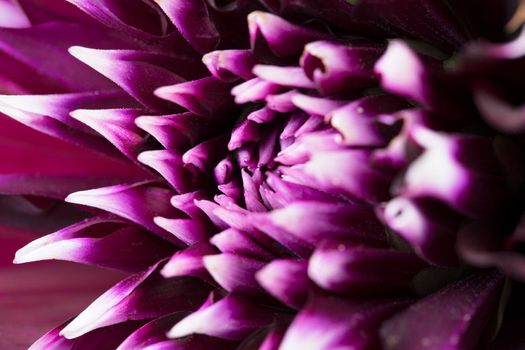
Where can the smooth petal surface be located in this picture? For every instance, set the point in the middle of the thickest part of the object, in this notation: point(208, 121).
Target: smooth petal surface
point(461, 310)
point(230, 318)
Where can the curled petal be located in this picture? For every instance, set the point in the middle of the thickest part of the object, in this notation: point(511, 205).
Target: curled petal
point(336, 67)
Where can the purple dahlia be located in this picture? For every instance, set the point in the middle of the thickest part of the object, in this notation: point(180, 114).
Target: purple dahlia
point(273, 174)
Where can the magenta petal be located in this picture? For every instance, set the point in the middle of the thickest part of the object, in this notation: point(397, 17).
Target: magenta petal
point(285, 76)
point(106, 338)
point(239, 243)
point(44, 49)
point(348, 171)
point(176, 131)
point(314, 221)
point(327, 323)
point(142, 296)
point(151, 333)
point(117, 126)
point(203, 96)
point(59, 106)
point(229, 65)
point(189, 261)
point(101, 241)
point(402, 72)
point(235, 273)
point(230, 318)
point(132, 70)
point(337, 67)
point(430, 228)
point(140, 203)
point(188, 231)
point(192, 19)
point(141, 19)
point(281, 37)
point(170, 165)
point(286, 280)
point(460, 313)
point(207, 154)
point(12, 15)
point(355, 270)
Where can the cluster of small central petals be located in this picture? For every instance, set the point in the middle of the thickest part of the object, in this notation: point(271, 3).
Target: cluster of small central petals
point(293, 184)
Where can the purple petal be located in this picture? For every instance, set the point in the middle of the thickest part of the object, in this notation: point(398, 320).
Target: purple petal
point(429, 227)
point(356, 270)
point(335, 67)
point(132, 70)
point(460, 313)
point(140, 203)
point(101, 241)
point(286, 280)
point(203, 96)
point(239, 243)
point(230, 318)
point(235, 273)
point(330, 323)
point(193, 20)
point(347, 171)
point(284, 76)
point(314, 221)
point(229, 65)
point(281, 37)
point(12, 15)
point(189, 262)
point(117, 126)
point(176, 131)
point(141, 19)
point(170, 165)
point(142, 296)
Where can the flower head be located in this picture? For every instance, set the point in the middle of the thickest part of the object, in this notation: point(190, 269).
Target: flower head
point(301, 174)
